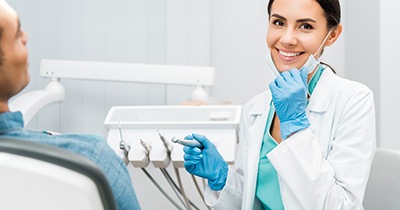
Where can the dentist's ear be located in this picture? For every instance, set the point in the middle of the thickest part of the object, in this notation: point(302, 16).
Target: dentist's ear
point(334, 35)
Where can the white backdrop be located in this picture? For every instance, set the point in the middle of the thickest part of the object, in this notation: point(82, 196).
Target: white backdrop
point(389, 73)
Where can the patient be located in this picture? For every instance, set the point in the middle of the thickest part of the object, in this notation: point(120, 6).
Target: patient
point(14, 77)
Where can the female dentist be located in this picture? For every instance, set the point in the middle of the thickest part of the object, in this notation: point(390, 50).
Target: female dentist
point(309, 141)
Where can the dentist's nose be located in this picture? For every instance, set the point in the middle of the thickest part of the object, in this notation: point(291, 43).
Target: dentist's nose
point(289, 38)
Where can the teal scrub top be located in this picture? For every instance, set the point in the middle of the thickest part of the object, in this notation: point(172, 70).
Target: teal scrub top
point(267, 189)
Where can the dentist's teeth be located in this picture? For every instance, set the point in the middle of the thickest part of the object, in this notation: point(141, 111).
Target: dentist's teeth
point(287, 54)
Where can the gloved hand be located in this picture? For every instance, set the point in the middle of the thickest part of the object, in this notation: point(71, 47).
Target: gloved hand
point(206, 162)
point(289, 94)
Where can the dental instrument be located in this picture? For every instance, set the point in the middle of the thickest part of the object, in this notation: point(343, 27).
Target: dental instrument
point(191, 143)
point(123, 146)
point(166, 144)
point(139, 155)
point(178, 190)
point(147, 147)
point(160, 155)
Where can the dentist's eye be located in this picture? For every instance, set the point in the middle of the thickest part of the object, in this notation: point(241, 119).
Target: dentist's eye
point(278, 23)
point(306, 26)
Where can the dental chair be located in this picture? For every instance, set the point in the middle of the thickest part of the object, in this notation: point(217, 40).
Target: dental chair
point(40, 177)
point(383, 188)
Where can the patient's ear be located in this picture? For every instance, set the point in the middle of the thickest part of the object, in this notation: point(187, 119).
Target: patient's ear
point(334, 35)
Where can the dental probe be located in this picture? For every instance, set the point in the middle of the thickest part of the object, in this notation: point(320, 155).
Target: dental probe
point(191, 143)
point(147, 147)
point(123, 145)
point(162, 137)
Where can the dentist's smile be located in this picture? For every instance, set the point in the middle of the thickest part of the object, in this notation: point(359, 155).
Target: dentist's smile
point(288, 56)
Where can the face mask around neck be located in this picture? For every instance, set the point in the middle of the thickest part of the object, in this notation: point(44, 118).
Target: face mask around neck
point(309, 66)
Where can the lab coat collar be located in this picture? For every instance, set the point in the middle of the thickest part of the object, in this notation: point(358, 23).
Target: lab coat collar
point(258, 113)
point(259, 107)
point(322, 95)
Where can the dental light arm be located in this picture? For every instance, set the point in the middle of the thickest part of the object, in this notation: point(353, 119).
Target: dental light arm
point(128, 72)
point(32, 102)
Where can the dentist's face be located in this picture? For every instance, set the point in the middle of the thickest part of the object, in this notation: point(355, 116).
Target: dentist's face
point(297, 28)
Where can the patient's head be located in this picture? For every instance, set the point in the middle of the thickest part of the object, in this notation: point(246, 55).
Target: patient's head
point(14, 74)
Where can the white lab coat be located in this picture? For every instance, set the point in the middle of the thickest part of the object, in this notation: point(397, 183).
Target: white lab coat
point(325, 166)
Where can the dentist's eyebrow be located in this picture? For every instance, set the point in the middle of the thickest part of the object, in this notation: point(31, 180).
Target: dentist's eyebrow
point(278, 16)
point(303, 20)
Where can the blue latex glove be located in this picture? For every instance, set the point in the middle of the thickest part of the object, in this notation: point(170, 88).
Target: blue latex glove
point(206, 162)
point(289, 94)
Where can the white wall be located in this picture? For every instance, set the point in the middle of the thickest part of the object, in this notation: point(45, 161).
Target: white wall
point(389, 73)
point(238, 49)
point(362, 49)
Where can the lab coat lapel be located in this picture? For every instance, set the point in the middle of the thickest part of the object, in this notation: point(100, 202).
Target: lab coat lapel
point(259, 113)
point(321, 97)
